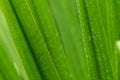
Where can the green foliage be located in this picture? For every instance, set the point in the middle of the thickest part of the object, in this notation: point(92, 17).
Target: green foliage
point(59, 40)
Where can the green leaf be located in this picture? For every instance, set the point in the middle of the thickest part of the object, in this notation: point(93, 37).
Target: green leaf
point(59, 39)
point(23, 52)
